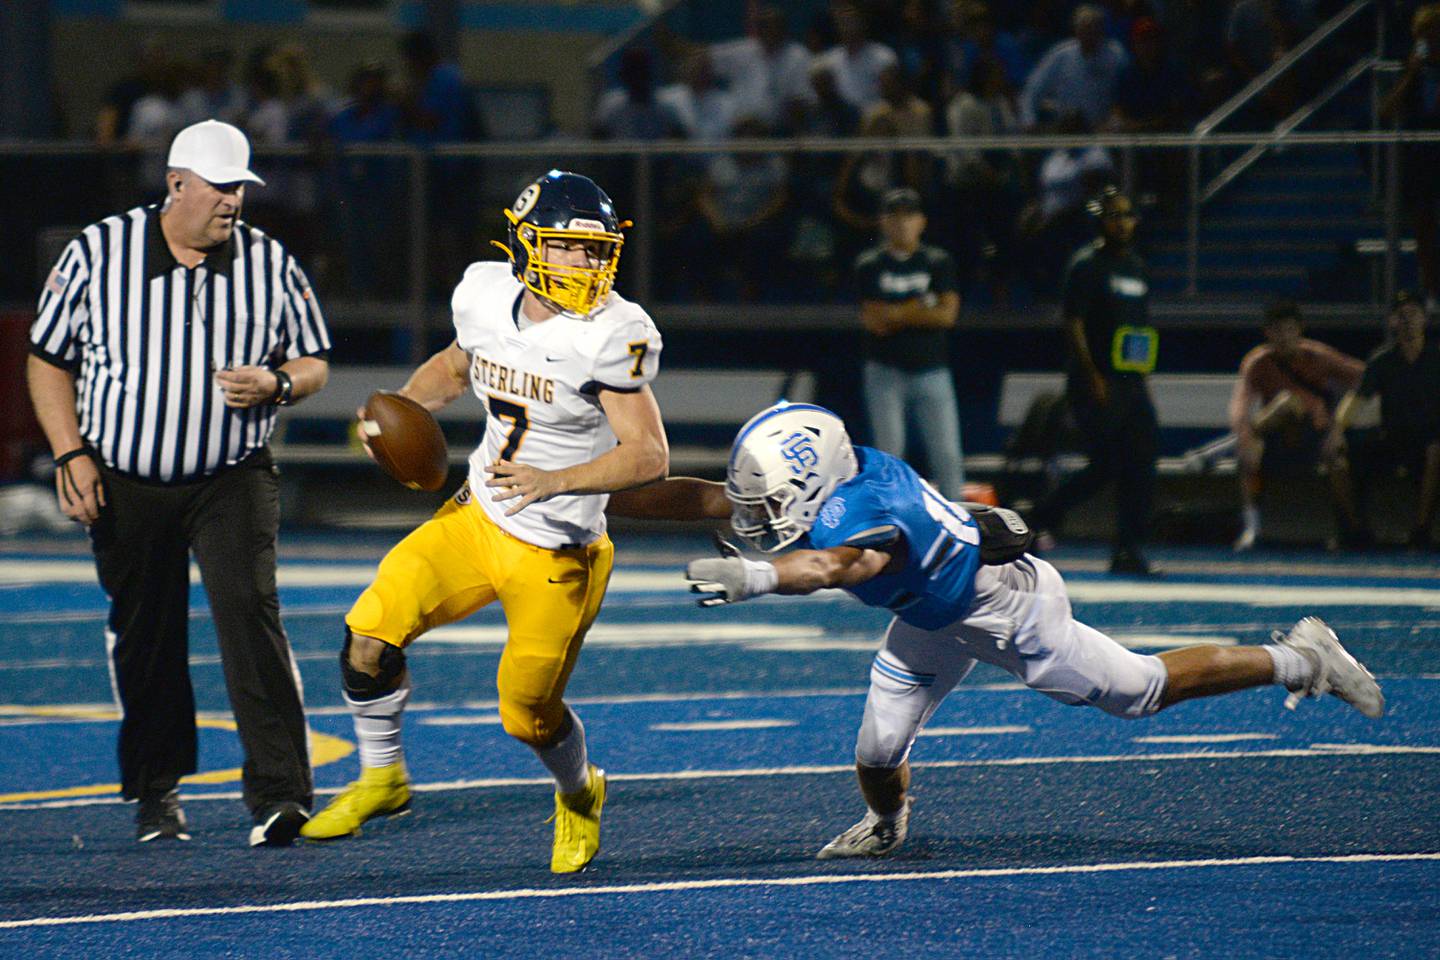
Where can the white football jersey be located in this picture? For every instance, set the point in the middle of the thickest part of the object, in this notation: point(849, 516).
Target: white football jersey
point(541, 388)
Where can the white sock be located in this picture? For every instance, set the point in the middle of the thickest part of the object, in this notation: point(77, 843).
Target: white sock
point(1293, 670)
point(377, 726)
point(567, 759)
point(1250, 513)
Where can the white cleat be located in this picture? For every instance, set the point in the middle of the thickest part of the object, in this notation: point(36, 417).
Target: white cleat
point(1336, 671)
point(1245, 542)
point(871, 837)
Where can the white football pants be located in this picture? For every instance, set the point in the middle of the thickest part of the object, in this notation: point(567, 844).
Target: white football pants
point(1021, 622)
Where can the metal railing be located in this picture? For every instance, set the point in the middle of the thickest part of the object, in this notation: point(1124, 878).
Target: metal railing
point(415, 180)
point(1247, 95)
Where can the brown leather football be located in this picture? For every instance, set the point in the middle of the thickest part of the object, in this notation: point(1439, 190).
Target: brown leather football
point(406, 440)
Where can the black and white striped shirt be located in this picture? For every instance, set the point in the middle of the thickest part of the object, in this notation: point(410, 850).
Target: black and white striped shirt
point(145, 336)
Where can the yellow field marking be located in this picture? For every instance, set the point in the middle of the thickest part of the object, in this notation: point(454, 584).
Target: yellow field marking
point(323, 749)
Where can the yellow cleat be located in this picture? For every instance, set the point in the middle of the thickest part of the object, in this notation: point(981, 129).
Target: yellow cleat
point(380, 792)
point(577, 825)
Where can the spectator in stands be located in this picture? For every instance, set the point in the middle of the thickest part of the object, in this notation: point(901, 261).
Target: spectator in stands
point(1111, 348)
point(919, 45)
point(976, 38)
point(310, 103)
point(987, 184)
point(215, 95)
point(1282, 406)
point(1078, 74)
point(1155, 96)
point(829, 115)
point(741, 201)
point(436, 107)
point(904, 114)
point(267, 123)
point(630, 111)
point(1055, 222)
point(767, 73)
point(1414, 104)
point(814, 243)
point(1196, 30)
point(856, 60)
point(367, 186)
point(112, 123)
point(1260, 32)
point(1405, 375)
point(706, 110)
point(865, 178)
point(155, 119)
point(908, 302)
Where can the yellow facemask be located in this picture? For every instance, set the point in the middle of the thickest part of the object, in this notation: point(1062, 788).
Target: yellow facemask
point(574, 289)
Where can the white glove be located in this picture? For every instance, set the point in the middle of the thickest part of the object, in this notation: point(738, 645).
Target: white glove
point(729, 578)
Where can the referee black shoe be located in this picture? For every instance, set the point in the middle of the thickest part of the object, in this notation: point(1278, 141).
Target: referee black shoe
point(278, 824)
point(160, 818)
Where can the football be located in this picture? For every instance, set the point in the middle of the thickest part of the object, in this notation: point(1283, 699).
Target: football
point(406, 440)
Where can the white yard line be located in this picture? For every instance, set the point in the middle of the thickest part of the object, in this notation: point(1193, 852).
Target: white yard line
point(1324, 751)
point(709, 726)
point(724, 883)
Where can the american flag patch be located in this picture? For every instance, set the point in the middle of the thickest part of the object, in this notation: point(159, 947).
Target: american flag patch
point(56, 282)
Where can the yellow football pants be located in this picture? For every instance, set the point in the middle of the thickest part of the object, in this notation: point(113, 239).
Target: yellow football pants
point(460, 560)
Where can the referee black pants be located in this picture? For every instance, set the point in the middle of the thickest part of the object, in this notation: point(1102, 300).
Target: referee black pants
point(142, 541)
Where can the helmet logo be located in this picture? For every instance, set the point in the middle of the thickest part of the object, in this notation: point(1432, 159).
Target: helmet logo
point(798, 449)
point(579, 224)
point(526, 201)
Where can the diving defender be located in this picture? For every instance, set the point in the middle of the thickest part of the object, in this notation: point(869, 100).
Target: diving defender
point(962, 587)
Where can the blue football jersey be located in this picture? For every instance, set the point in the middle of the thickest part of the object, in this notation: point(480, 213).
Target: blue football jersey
point(886, 501)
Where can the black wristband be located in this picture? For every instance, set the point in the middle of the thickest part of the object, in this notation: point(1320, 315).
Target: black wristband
point(65, 458)
point(284, 394)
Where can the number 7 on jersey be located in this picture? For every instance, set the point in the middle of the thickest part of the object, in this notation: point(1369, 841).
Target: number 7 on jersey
point(519, 418)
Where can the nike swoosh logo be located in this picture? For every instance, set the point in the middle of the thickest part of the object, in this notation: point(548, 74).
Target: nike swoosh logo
point(565, 579)
point(553, 359)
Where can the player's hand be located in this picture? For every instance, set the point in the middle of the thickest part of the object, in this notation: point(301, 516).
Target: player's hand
point(728, 579)
point(366, 428)
point(248, 386)
point(79, 490)
point(530, 484)
point(717, 580)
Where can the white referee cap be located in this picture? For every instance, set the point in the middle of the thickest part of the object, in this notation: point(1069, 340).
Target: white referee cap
point(215, 151)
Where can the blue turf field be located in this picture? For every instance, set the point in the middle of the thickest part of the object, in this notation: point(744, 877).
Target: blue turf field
point(1229, 827)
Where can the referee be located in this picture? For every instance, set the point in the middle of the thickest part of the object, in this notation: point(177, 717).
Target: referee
point(166, 339)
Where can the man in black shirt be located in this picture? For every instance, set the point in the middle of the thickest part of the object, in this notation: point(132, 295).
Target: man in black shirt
point(1110, 347)
point(908, 302)
point(1405, 374)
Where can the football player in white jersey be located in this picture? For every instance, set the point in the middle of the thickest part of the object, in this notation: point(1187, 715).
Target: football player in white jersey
point(563, 365)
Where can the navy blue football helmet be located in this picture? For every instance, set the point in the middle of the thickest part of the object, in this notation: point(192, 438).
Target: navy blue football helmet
point(565, 208)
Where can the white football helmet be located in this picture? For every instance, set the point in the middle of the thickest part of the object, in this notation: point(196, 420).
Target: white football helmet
point(786, 461)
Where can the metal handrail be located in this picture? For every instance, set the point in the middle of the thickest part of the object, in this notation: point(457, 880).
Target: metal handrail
point(1278, 68)
point(1205, 130)
point(664, 148)
point(597, 57)
point(1282, 130)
